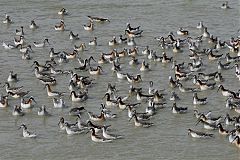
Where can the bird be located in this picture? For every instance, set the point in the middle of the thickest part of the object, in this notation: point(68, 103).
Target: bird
point(26, 133)
point(197, 134)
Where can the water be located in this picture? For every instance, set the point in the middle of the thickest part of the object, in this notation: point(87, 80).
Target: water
point(168, 138)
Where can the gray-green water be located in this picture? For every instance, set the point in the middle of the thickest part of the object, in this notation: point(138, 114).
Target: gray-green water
point(168, 138)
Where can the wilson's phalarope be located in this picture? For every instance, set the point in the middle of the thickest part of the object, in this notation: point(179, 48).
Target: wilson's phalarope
point(108, 135)
point(17, 111)
point(89, 27)
point(197, 134)
point(7, 20)
point(145, 66)
point(228, 120)
point(134, 79)
point(25, 49)
point(174, 96)
point(71, 55)
point(182, 32)
point(12, 89)
point(3, 101)
point(205, 34)
point(237, 141)
point(109, 101)
point(8, 46)
point(197, 114)
point(80, 123)
point(61, 124)
point(52, 93)
point(221, 130)
point(199, 101)
point(205, 86)
point(12, 77)
point(98, 138)
point(95, 71)
point(48, 80)
point(20, 32)
point(226, 92)
point(131, 42)
point(73, 36)
point(122, 40)
point(139, 123)
point(33, 25)
point(58, 103)
point(81, 47)
point(210, 120)
point(176, 109)
point(53, 54)
point(25, 104)
point(225, 5)
point(133, 34)
point(76, 111)
point(19, 41)
point(26, 55)
point(207, 125)
point(93, 42)
point(200, 25)
point(207, 76)
point(78, 97)
point(26, 133)
point(39, 45)
point(113, 42)
point(60, 27)
point(98, 19)
point(43, 112)
point(18, 94)
point(72, 130)
point(63, 12)
point(96, 118)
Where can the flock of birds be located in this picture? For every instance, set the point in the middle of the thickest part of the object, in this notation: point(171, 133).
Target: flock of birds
point(155, 99)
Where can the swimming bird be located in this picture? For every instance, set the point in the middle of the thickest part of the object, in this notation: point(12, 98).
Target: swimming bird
point(76, 111)
point(63, 12)
point(39, 45)
point(33, 25)
point(96, 118)
point(73, 130)
point(19, 41)
point(12, 89)
point(98, 19)
point(225, 92)
point(52, 93)
point(93, 42)
point(182, 32)
point(26, 104)
point(200, 25)
point(60, 27)
point(58, 103)
point(198, 114)
point(3, 101)
point(43, 112)
point(12, 77)
point(95, 71)
point(122, 40)
point(113, 42)
point(199, 101)
point(17, 111)
point(8, 46)
point(221, 130)
point(225, 5)
point(78, 97)
point(52, 53)
point(73, 36)
point(134, 79)
point(7, 20)
point(81, 47)
point(145, 66)
point(108, 135)
point(89, 27)
point(197, 134)
point(174, 96)
point(26, 133)
point(176, 109)
point(18, 94)
point(98, 138)
point(139, 123)
point(20, 32)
